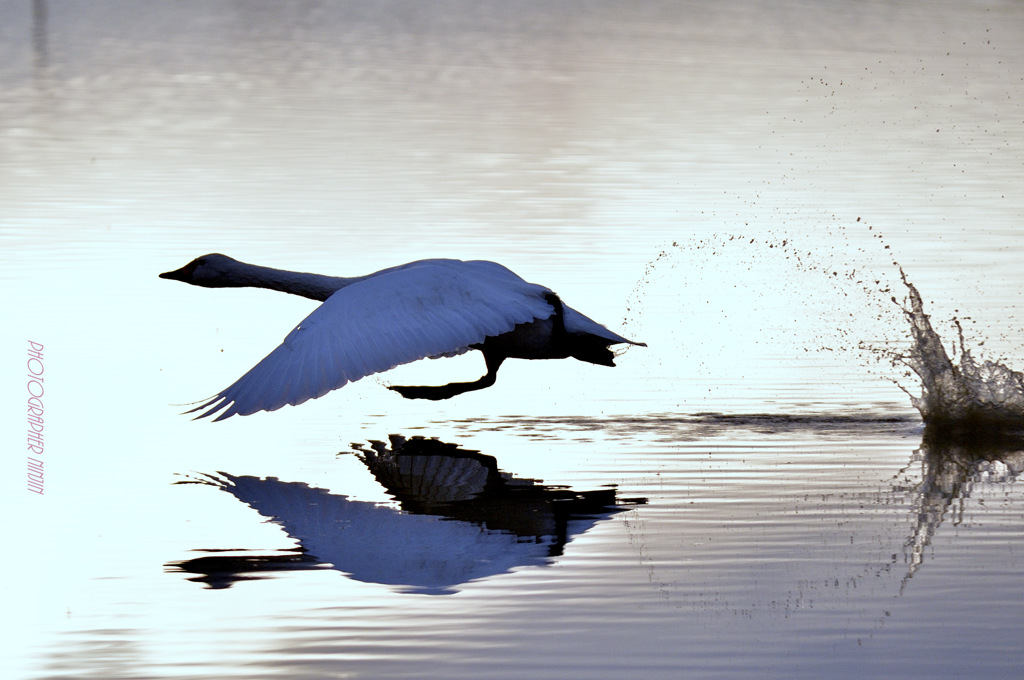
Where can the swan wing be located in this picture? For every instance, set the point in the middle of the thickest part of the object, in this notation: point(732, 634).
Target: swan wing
point(435, 308)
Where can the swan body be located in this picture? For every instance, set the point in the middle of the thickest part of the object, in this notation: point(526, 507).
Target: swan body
point(370, 324)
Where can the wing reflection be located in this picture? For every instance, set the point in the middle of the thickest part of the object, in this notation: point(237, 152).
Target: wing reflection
point(431, 477)
point(951, 465)
point(460, 519)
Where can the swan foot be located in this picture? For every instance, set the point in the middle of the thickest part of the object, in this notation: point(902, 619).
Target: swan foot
point(436, 393)
point(454, 389)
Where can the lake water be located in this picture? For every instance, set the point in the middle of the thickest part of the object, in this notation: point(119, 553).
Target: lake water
point(752, 495)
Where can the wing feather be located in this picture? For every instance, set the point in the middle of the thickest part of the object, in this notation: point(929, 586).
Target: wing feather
point(427, 309)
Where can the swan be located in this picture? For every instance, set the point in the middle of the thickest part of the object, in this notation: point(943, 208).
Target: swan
point(370, 324)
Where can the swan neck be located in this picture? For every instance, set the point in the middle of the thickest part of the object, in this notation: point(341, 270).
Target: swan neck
point(312, 286)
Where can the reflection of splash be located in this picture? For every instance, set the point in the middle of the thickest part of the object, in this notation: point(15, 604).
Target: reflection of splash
point(965, 396)
point(950, 469)
point(461, 519)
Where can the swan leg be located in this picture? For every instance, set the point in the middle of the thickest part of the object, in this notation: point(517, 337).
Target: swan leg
point(453, 389)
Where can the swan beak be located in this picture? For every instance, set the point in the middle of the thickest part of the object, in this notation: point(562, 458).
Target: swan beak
point(176, 275)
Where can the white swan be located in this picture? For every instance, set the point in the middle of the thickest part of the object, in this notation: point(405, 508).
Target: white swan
point(369, 324)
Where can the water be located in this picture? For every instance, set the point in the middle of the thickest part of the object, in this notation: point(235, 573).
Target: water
point(754, 494)
point(986, 398)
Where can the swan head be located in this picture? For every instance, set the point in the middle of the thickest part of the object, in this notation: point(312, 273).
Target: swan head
point(209, 271)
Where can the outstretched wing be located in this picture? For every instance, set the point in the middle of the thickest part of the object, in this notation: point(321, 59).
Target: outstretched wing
point(433, 308)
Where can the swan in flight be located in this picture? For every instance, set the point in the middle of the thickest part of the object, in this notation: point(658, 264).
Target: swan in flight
point(369, 324)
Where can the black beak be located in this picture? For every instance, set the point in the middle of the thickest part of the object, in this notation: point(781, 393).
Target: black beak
point(176, 275)
point(183, 274)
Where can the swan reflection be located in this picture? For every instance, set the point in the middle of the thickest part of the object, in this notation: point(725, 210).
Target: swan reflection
point(460, 519)
point(952, 464)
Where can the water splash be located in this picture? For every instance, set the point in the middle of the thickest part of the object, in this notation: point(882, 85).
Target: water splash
point(969, 396)
point(834, 297)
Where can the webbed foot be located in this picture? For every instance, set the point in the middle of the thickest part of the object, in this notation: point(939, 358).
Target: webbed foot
point(425, 391)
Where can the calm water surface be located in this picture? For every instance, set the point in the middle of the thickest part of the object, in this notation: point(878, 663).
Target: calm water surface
point(750, 496)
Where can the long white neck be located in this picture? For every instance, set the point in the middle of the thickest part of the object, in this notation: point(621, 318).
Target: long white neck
point(313, 286)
